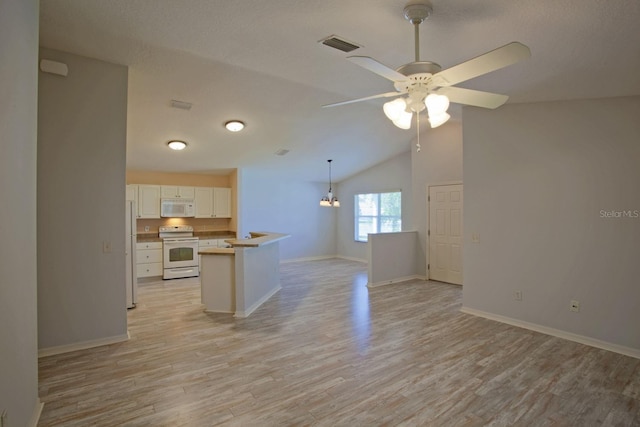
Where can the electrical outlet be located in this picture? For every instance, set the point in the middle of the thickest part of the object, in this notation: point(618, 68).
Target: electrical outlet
point(517, 295)
point(106, 247)
point(475, 237)
point(146, 228)
point(574, 305)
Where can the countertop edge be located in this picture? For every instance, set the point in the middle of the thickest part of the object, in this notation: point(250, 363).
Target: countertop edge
point(258, 238)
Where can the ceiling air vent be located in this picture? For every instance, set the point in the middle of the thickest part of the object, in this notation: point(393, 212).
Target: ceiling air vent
point(181, 104)
point(339, 43)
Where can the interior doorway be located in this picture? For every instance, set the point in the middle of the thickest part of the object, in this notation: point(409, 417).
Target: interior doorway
point(445, 233)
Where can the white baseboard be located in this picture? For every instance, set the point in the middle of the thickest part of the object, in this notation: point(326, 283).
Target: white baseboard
point(37, 411)
point(348, 258)
point(254, 307)
point(50, 351)
point(396, 280)
point(322, 257)
point(627, 351)
point(218, 311)
point(310, 258)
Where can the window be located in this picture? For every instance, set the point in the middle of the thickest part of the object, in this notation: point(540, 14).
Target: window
point(377, 213)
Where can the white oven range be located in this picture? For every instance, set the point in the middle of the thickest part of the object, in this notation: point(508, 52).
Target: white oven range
point(179, 251)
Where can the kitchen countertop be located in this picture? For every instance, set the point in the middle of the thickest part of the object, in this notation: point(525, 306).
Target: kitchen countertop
point(148, 237)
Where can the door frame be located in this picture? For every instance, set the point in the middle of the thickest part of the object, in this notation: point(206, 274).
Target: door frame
point(428, 238)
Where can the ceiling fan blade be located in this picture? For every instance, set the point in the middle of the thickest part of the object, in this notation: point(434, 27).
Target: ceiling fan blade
point(351, 101)
point(378, 68)
point(483, 64)
point(473, 97)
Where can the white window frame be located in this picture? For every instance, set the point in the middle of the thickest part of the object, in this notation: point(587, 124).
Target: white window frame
point(378, 217)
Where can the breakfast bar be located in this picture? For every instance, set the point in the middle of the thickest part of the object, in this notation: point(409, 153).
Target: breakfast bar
point(240, 278)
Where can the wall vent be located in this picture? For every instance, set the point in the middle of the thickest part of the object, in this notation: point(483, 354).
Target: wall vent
point(181, 104)
point(339, 43)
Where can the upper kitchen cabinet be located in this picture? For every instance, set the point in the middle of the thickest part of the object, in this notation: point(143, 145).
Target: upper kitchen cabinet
point(213, 202)
point(175, 192)
point(221, 202)
point(204, 202)
point(148, 201)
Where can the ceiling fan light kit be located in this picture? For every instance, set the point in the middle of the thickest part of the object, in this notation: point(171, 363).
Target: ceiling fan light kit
point(426, 84)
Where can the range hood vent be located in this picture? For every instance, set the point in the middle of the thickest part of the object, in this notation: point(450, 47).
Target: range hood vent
point(339, 43)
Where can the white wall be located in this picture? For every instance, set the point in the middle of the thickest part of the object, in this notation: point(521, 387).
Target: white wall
point(537, 177)
point(438, 162)
point(269, 201)
point(391, 175)
point(18, 281)
point(81, 181)
point(390, 257)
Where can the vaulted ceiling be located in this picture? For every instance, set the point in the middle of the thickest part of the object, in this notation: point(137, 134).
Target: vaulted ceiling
point(260, 61)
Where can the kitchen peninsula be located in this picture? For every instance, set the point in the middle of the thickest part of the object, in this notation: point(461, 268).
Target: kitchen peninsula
point(240, 278)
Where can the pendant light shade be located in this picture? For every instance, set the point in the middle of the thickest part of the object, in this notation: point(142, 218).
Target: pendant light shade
point(330, 200)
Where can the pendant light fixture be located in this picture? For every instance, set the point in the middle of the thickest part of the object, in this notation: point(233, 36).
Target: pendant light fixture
point(330, 199)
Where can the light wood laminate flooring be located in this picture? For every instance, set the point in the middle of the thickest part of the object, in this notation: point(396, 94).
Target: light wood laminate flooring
point(328, 351)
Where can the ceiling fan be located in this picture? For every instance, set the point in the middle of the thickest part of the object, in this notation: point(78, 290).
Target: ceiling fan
point(428, 86)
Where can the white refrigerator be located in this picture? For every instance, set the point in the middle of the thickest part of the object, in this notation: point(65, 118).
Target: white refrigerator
point(130, 253)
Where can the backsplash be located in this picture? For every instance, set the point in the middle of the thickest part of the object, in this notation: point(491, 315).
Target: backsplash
point(198, 224)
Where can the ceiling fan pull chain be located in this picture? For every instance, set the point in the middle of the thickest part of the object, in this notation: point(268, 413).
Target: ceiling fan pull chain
point(418, 131)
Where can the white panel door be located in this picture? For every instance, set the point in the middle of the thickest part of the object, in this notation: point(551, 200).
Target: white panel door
point(445, 233)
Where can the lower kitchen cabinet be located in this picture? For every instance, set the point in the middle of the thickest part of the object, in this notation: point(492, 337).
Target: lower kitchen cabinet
point(148, 259)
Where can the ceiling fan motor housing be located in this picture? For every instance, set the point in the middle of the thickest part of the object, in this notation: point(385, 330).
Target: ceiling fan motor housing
point(417, 11)
point(420, 67)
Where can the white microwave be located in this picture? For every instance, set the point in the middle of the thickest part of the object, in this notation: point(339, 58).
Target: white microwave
point(177, 208)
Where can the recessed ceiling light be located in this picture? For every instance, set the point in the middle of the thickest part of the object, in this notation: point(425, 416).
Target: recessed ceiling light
point(234, 125)
point(177, 145)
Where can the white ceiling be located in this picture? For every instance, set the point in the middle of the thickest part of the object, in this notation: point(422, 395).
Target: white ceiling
point(260, 61)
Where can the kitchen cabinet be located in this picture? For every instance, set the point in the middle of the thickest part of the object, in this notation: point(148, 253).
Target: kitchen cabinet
point(176, 192)
point(213, 202)
point(148, 201)
point(204, 202)
point(221, 202)
point(148, 259)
